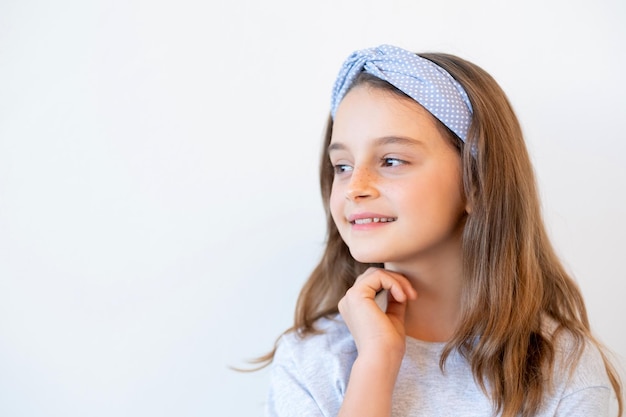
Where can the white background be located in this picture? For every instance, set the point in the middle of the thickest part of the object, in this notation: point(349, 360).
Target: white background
point(159, 206)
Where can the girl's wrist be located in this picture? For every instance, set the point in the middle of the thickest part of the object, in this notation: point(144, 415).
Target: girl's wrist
point(385, 365)
point(389, 354)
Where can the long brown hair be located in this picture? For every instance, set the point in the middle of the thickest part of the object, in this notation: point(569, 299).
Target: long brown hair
point(514, 282)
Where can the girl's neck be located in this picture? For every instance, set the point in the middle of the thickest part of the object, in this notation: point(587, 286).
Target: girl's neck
point(434, 315)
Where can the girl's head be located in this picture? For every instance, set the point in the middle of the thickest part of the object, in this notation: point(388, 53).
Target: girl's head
point(469, 110)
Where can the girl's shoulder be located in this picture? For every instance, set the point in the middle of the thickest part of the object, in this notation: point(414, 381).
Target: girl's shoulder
point(578, 371)
point(311, 371)
point(579, 363)
point(330, 352)
point(572, 350)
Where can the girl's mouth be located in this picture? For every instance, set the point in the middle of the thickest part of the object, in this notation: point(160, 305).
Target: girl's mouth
point(368, 220)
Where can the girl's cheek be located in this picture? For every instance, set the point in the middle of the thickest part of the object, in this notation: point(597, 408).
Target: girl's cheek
point(335, 203)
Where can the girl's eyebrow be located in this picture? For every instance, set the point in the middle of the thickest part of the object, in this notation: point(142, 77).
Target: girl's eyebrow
point(385, 140)
point(397, 140)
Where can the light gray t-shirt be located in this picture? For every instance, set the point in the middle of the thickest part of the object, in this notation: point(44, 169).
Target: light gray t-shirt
point(309, 377)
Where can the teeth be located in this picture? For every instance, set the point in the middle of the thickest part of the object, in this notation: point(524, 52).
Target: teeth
point(374, 220)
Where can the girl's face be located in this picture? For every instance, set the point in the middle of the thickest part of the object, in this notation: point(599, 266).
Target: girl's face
point(397, 193)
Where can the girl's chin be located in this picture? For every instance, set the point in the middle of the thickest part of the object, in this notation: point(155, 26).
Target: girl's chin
point(368, 258)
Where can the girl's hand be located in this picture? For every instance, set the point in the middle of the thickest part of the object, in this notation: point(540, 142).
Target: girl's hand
point(379, 338)
point(378, 334)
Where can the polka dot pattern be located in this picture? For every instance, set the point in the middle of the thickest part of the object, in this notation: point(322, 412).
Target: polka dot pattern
point(422, 80)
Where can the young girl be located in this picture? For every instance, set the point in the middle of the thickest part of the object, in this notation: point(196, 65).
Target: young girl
point(438, 293)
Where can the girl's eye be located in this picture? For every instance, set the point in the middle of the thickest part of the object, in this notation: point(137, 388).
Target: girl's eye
point(392, 162)
point(341, 168)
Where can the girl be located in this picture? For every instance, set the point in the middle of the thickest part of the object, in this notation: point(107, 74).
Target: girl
point(438, 293)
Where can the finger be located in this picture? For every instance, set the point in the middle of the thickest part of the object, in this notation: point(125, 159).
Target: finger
point(396, 290)
point(404, 283)
point(374, 280)
point(401, 288)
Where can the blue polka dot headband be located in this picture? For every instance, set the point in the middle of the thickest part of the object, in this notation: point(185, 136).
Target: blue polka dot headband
point(422, 80)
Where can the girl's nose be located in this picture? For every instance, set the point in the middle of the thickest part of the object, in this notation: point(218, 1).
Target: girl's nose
point(362, 185)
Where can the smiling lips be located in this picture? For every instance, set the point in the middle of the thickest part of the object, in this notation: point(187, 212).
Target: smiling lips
point(369, 220)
